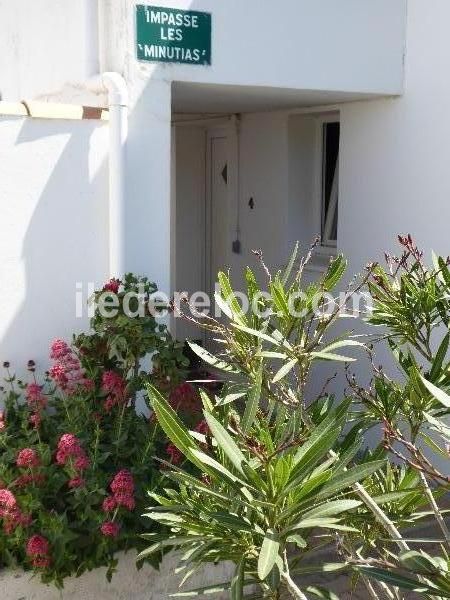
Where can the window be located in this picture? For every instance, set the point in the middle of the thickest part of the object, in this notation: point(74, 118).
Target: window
point(330, 182)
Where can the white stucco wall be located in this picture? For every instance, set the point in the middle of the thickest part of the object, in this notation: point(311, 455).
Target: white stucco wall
point(351, 45)
point(127, 583)
point(44, 44)
point(53, 229)
point(395, 153)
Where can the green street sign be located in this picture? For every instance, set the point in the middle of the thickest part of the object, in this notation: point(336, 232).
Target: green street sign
point(173, 36)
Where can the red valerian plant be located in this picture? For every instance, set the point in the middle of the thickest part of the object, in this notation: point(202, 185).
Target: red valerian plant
point(76, 458)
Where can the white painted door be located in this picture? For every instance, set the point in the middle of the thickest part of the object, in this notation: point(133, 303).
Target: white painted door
point(217, 209)
point(189, 216)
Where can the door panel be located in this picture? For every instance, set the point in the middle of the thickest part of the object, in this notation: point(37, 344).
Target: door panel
point(218, 209)
point(190, 220)
point(217, 218)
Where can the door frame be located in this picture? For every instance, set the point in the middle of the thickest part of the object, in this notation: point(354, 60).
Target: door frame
point(212, 134)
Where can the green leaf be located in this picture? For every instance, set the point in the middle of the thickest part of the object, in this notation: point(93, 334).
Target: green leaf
point(331, 356)
point(433, 445)
point(237, 582)
point(297, 540)
point(268, 554)
point(231, 521)
point(171, 424)
point(284, 370)
point(279, 298)
point(252, 284)
point(231, 393)
point(440, 395)
point(417, 562)
point(334, 273)
point(251, 407)
point(396, 580)
point(207, 461)
point(320, 568)
point(438, 425)
point(164, 517)
point(254, 478)
point(331, 509)
point(348, 478)
point(203, 591)
point(169, 541)
point(439, 358)
point(210, 359)
point(393, 496)
point(444, 270)
point(230, 298)
point(206, 401)
point(189, 480)
point(224, 306)
point(310, 454)
point(290, 265)
point(268, 354)
point(320, 522)
point(226, 442)
point(342, 344)
point(264, 336)
point(321, 440)
point(321, 592)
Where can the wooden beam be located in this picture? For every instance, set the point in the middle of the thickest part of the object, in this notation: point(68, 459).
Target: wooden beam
point(51, 110)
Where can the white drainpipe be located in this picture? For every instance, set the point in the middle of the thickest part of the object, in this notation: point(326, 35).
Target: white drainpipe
point(118, 133)
point(116, 87)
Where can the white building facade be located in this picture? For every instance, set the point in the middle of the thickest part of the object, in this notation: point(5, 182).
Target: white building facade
point(310, 117)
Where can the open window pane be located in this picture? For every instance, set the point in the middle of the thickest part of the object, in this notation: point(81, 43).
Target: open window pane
point(330, 182)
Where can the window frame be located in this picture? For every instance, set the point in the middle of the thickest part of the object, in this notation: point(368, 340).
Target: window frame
point(327, 245)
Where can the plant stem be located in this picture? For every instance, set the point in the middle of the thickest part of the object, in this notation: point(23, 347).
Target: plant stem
point(149, 445)
point(370, 589)
point(435, 507)
point(381, 517)
point(294, 590)
point(119, 428)
point(387, 591)
point(97, 440)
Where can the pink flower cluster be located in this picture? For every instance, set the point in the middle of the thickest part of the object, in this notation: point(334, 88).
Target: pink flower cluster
point(37, 401)
point(110, 529)
point(2, 420)
point(67, 371)
point(26, 479)
point(70, 453)
point(28, 458)
point(38, 549)
point(112, 285)
point(185, 397)
point(122, 488)
point(116, 387)
point(202, 427)
point(7, 500)
point(175, 455)
point(10, 512)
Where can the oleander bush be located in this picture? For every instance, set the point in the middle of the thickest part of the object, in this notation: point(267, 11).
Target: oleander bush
point(277, 474)
point(281, 475)
point(411, 308)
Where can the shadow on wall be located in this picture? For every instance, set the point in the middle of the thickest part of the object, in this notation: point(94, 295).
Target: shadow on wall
point(66, 240)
